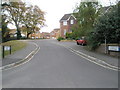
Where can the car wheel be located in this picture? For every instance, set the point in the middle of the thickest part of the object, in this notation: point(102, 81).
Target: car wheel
point(82, 44)
point(78, 43)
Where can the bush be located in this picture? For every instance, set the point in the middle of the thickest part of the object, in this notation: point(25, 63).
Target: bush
point(92, 42)
point(60, 38)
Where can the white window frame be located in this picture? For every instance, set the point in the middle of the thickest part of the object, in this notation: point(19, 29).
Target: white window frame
point(71, 21)
point(64, 23)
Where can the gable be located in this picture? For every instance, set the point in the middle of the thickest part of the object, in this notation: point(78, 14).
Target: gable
point(66, 17)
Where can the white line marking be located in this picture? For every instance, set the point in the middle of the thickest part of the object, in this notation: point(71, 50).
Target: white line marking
point(85, 56)
point(24, 61)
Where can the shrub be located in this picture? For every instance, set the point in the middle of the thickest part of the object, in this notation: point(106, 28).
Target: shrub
point(60, 38)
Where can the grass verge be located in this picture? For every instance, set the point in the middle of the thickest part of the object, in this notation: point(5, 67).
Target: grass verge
point(15, 45)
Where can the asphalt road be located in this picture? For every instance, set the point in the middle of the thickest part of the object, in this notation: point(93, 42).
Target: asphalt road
point(55, 66)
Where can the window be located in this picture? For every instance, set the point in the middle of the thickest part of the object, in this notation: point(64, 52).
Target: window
point(64, 31)
point(71, 21)
point(65, 23)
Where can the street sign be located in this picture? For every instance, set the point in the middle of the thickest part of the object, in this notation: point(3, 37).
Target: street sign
point(114, 48)
point(7, 48)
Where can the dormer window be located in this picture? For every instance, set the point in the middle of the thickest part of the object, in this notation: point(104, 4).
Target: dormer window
point(65, 23)
point(71, 21)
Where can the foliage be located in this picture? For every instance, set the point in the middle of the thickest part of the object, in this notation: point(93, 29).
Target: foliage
point(20, 14)
point(86, 14)
point(92, 41)
point(69, 36)
point(15, 13)
point(5, 30)
point(108, 26)
point(33, 19)
point(60, 38)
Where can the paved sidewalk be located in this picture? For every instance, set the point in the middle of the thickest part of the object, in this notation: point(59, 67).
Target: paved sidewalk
point(108, 59)
point(19, 55)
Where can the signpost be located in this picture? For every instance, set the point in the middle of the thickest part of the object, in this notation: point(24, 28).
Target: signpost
point(114, 48)
point(6, 48)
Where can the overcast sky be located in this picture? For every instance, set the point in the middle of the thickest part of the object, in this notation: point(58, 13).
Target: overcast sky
point(55, 9)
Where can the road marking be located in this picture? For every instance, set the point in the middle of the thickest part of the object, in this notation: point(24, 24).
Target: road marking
point(90, 58)
point(93, 61)
point(25, 60)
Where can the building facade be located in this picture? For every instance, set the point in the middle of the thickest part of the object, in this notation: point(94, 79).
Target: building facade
point(55, 33)
point(45, 35)
point(66, 23)
point(35, 35)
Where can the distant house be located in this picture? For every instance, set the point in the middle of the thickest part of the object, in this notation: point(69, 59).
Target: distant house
point(45, 35)
point(35, 35)
point(66, 22)
point(55, 33)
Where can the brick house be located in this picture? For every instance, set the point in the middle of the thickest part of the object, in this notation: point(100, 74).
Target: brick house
point(66, 23)
point(55, 33)
point(45, 35)
point(35, 35)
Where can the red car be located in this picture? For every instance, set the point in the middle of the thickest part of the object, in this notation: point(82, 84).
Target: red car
point(81, 42)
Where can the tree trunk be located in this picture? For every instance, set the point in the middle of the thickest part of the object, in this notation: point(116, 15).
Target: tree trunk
point(28, 35)
point(18, 32)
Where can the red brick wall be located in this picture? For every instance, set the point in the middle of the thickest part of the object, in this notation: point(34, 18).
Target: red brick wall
point(67, 27)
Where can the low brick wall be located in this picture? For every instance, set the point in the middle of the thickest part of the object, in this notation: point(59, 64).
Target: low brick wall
point(101, 49)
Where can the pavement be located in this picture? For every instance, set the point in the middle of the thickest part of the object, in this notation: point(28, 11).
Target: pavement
point(19, 55)
point(113, 61)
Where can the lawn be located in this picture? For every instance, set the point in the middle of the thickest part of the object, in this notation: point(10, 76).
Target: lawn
point(15, 45)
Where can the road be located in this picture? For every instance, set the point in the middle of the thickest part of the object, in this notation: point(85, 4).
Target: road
point(55, 66)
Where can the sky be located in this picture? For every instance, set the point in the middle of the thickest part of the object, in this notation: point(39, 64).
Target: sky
point(55, 10)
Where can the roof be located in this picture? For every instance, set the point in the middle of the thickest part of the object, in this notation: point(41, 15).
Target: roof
point(65, 17)
point(106, 9)
point(56, 29)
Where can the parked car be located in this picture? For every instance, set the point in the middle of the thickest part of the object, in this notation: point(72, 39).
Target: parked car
point(81, 41)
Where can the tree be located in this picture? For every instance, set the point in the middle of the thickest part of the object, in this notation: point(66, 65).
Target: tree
point(27, 19)
point(5, 30)
point(86, 14)
point(108, 26)
point(15, 12)
point(33, 19)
